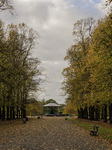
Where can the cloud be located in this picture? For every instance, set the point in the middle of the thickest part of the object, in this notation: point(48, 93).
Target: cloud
point(53, 20)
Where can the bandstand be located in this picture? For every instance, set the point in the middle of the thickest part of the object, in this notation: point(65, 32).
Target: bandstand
point(51, 108)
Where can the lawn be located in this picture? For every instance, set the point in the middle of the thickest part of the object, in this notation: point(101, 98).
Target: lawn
point(105, 129)
point(11, 123)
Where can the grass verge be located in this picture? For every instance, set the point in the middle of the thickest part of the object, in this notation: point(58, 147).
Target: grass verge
point(11, 123)
point(105, 132)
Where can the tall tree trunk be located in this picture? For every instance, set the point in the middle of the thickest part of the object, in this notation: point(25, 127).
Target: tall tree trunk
point(21, 112)
point(82, 113)
point(91, 112)
point(24, 113)
point(3, 113)
point(10, 112)
point(79, 113)
point(86, 113)
point(110, 113)
point(102, 113)
point(0, 113)
point(17, 112)
point(8, 100)
point(97, 113)
point(7, 112)
point(105, 113)
point(13, 112)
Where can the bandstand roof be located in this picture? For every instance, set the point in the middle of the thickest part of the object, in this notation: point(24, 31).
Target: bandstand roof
point(52, 105)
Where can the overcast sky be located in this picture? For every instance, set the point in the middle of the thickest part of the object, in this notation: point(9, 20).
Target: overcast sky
point(53, 20)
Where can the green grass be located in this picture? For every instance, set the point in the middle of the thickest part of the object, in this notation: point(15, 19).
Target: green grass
point(105, 132)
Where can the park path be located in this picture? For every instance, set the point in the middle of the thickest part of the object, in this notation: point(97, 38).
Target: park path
point(50, 134)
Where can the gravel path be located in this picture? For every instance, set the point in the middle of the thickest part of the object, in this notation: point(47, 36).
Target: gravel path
point(50, 134)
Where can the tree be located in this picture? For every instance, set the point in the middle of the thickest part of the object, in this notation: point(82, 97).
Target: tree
point(108, 2)
point(50, 101)
point(34, 107)
point(100, 65)
point(6, 5)
point(76, 74)
point(70, 109)
point(18, 70)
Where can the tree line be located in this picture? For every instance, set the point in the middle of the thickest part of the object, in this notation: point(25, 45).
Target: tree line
point(88, 77)
point(19, 71)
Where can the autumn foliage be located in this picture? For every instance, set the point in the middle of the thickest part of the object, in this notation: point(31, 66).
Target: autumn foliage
point(19, 71)
point(88, 78)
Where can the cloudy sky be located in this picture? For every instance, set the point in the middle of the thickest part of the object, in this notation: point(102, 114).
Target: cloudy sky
point(53, 20)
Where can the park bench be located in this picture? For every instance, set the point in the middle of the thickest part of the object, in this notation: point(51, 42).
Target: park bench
point(25, 119)
point(66, 118)
point(39, 116)
point(94, 131)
